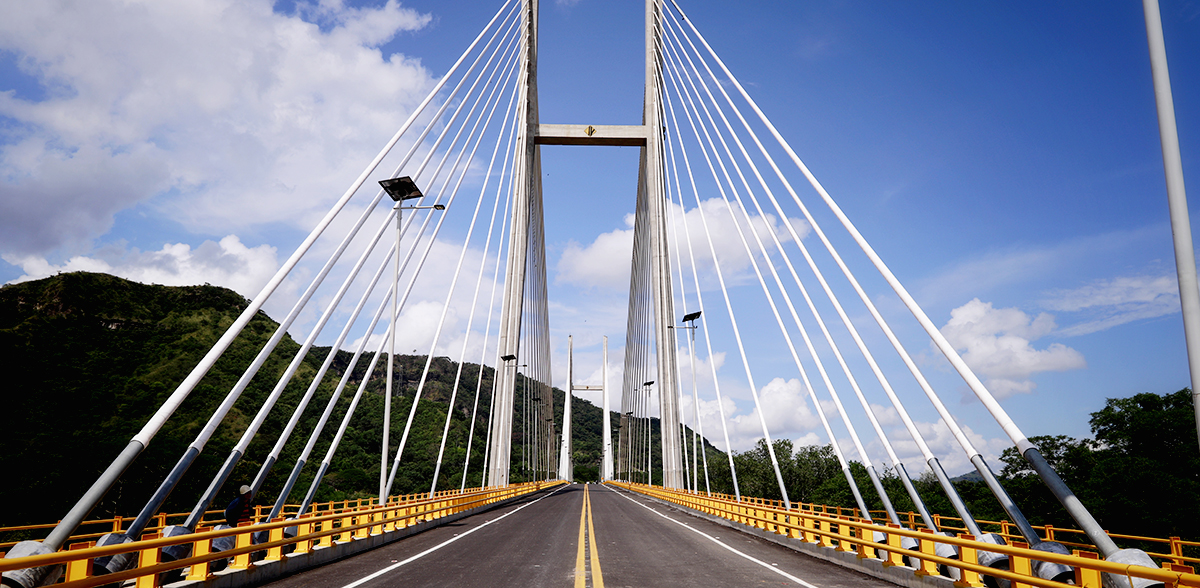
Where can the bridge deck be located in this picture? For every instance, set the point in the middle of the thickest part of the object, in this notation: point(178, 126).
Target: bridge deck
point(535, 542)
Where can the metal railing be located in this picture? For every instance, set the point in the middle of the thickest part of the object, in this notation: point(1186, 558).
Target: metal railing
point(854, 534)
point(1177, 550)
point(315, 530)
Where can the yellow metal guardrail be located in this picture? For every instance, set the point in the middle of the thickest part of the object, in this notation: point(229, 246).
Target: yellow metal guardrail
point(96, 528)
point(315, 531)
point(1171, 548)
point(853, 534)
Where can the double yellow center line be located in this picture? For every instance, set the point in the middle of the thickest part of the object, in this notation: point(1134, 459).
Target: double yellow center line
point(587, 542)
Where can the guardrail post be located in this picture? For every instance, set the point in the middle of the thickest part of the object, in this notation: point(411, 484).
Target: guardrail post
point(377, 516)
point(806, 526)
point(1174, 567)
point(826, 528)
point(241, 561)
point(866, 545)
point(147, 558)
point(80, 568)
point(842, 536)
point(1176, 550)
point(1020, 564)
point(895, 552)
point(927, 548)
point(327, 540)
point(1087, 577)
point(362, 518)
point(303, 529)
point(346, 522)
point(198, 572)
point(968, 554)
point(276, 534)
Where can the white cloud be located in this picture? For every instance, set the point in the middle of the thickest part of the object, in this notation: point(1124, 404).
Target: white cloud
point(1022, 263)
point(943, 445)
point(602, 263)
point(886, 415)
point(1107, 303)
point(787, 416)
point(227, 263)
point(221, 114)
point(605, 261)
point(704, 368)
point(996, 343)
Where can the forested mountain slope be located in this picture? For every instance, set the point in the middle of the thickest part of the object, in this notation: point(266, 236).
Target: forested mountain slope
point(90, 357)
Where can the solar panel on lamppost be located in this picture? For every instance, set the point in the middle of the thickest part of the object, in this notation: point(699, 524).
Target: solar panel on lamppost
point(401, 188)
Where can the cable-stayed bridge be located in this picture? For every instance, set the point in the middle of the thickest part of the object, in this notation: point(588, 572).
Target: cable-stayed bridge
point(709, 157)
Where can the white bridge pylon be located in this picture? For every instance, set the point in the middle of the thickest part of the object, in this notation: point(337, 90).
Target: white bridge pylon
point(651, 219)
point(566, 463)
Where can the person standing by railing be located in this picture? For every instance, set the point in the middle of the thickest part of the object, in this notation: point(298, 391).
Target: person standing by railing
point(241, 510)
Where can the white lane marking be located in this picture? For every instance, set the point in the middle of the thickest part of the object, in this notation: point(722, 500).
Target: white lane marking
point(370, 577)
point(717, 541)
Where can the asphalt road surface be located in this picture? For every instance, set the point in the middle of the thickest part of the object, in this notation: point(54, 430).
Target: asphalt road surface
point(581, 536)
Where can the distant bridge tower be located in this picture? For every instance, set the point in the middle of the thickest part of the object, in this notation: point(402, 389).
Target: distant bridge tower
point(526, 237)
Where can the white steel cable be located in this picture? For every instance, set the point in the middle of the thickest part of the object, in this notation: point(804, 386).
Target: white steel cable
point(139, 441)
point(965, 443)
point(387, 407)
point(635, 335)
point(454, 282)
point(736, 331)
point(164, 412)
point(336, 395)
point(849, 375)
point(690, 476)
point(699, 432)
point(700, 303)
point(916, 435)
point(1030, 453)
point(168, 484)
point(499, 463)
point(424, 256)
point(808, 384)
point(998, 413)
point(337, 438)
point(290, 371)
point(491, 308)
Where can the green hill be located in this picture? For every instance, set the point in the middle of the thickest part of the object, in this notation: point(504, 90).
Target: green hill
point(90, 357)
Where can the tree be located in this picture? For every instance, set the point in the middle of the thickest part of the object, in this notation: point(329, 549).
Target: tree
point(1139, 476)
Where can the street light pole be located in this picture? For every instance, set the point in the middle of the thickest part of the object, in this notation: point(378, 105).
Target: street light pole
point(526, 463)
point(399, 189)
point(691, 319)
point(508, 360)
point(649, 437)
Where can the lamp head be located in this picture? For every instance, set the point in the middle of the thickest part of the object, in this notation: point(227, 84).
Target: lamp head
point(691, 316)
point(507, 357)
point(401, 188)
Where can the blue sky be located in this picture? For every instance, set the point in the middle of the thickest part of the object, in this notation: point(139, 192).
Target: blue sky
point(1003, 158)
